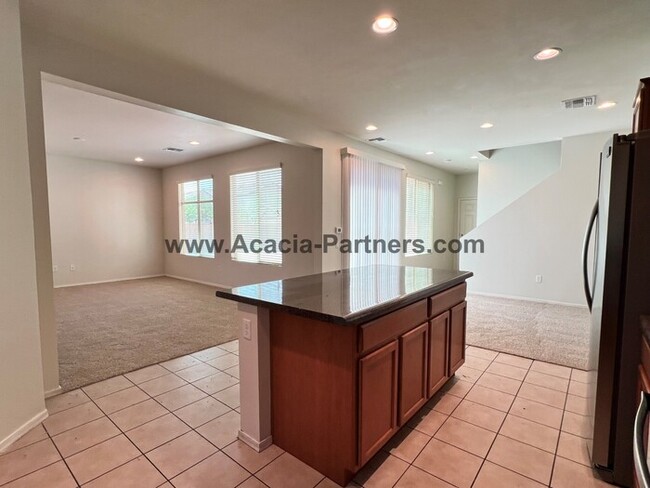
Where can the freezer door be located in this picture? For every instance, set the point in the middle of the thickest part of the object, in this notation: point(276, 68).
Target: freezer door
point(607, 289)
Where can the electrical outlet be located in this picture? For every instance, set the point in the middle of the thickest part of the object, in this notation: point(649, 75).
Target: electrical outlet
point(73, 267)
point(538, 279)
point(246, 329)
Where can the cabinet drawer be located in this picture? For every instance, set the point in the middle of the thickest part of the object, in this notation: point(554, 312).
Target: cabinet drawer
point(447, 299)
point(392, 325)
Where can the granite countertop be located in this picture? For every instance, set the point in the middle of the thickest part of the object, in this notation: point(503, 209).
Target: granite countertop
point(349, 296)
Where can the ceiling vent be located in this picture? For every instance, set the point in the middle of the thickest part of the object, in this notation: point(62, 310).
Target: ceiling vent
point(376, 139)
point(580, 102)
point(172, 149)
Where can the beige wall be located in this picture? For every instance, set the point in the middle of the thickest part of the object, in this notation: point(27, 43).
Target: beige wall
point(158, 80)
point(301, 212)
point(21, 380)
point(106, 220)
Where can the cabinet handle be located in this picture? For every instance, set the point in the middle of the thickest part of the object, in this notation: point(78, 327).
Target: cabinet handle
point(640, 464)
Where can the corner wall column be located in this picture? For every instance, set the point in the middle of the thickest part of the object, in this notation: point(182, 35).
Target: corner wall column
point(255, 376)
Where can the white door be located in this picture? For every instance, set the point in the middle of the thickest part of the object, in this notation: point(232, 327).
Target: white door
point(466, 215)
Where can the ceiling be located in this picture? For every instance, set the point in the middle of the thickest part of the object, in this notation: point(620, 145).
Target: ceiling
point(86, 125)
point(450, 66)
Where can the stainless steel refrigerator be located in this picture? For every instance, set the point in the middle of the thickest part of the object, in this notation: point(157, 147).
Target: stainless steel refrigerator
point(616, 261)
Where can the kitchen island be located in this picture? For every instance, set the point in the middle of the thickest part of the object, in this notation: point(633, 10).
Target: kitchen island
point(333, 364)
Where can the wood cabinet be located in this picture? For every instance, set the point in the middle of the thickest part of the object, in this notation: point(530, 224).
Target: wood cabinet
point(340, 392)
point(413, 361)
point(457, 337)
point(438, 352)
point(377, 399)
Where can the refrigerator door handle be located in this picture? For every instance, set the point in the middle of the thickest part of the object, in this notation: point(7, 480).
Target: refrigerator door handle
point(585, 255)
point(640, 463)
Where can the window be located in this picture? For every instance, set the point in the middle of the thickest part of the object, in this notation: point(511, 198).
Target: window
point(196, 214)
point(372, 206)
point(419, 212)
point(256, 215)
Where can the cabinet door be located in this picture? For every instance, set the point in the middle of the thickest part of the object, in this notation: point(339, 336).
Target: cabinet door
point(377, 400)
point(438, 352)
point(457, 337)
point(413, 352)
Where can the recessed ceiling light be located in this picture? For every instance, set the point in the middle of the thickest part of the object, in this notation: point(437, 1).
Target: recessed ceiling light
point(195, 143)
point(371, 127)
point(138, 159)
point(473, 157)
point(607, 105)
point(429, 153)
point(487, 125)
point(384, 24)
point(547, 53)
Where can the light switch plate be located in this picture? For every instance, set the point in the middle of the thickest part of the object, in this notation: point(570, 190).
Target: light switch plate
point(246, 329)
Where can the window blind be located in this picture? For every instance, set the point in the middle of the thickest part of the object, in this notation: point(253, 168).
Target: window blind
point(372, 206)
point(256, 213)
point(419, 212)
point(196, 213)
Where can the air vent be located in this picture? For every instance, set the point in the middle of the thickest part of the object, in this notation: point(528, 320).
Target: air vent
point(580, 102)
point(172, 149)
point(376, 139)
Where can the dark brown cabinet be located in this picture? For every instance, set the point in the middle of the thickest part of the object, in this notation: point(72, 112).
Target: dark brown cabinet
point(457, 337)
point(438, 352)
point(377, 399)
point(413, 352)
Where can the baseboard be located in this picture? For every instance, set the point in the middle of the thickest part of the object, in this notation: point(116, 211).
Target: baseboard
point(53, 392)
point(259, 446)
point(111, 281)
point(22, 430)
point(183, 278)
point(527, 299)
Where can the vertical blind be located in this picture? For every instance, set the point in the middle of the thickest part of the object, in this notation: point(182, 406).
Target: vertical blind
point(196, 212)
point(372, 206)
point(419, 211)
point(256, 212)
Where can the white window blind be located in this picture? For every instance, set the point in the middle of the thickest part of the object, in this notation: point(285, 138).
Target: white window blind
point(419, 212)
point(372, 206)
point(196, 214)
point(256, 212)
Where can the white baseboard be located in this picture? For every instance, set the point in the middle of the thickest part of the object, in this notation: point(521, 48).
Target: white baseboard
point(111, 281)
point(527, 299)
point(22, 430)
point(53, 392)
point(183, 278)
point(259, 446)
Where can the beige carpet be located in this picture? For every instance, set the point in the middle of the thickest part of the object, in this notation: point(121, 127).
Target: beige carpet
point(113, 328)
point(555, 333)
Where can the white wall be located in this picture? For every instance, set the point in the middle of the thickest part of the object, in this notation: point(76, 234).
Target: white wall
point(21, 379)
point(511, 172)
point(301, 212)
point(467, 185)
point(106, 219)
point(541, 232)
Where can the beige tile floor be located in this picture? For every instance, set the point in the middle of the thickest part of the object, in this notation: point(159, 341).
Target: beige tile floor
point(502, 421)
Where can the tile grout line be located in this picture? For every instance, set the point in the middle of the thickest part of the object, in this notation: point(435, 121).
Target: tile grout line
point(500, 427)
